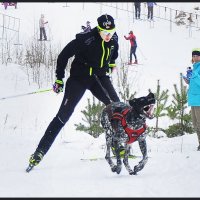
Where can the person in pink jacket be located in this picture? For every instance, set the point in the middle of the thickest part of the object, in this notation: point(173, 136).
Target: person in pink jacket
point(133, 42)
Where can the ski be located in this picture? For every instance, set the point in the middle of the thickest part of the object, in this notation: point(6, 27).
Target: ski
point(29, 168)
point(43, 40)
point(102, 158)
point(133, 64)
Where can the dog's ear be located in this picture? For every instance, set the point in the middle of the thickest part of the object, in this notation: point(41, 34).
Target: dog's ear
point(150, 98)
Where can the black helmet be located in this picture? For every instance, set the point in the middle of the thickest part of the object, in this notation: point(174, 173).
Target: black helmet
point(106, 22)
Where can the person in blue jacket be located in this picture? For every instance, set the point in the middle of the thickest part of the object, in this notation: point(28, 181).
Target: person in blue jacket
point(194, 92)
point(150, 6)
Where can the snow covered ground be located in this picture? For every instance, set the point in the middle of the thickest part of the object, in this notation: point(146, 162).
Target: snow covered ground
point(173, 166)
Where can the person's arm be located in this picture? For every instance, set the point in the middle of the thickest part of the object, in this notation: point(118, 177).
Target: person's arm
point(70, 50)
point(112, 63)
point(127, 38)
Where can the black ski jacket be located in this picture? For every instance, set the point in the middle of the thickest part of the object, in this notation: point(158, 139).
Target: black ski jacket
point(92, 55)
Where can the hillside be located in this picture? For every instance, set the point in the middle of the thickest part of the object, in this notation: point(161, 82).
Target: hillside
point(173, 166)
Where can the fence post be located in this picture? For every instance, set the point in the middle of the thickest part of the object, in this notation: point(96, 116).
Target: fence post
point(116, 10)
point(133, 11)
point(170, 20)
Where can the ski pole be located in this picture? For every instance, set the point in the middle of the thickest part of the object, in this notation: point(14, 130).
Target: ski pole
point(104, 90)
point(142, 53)
point(19, 95)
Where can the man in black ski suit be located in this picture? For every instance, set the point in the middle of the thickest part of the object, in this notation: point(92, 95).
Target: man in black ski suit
point(95, 54)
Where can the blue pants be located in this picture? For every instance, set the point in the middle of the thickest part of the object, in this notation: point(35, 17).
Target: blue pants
point(132, 51)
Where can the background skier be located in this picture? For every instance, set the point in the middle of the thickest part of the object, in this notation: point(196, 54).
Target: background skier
point(137, 9)
point(42, 23)
point(86, 28)
point(133, 48)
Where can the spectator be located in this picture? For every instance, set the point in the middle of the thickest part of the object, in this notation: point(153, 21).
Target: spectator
point(194, 93)
point(150, 6)
point(133, 48)
point(42, 27)
point(87, 28)
point(6, 4)
point(137, 9)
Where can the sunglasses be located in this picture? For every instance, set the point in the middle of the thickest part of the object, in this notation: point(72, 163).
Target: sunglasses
point(106, 32)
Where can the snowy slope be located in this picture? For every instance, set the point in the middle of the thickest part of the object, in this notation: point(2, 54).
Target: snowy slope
point(173, 166)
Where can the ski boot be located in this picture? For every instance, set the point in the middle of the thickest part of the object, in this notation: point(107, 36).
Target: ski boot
point(130, 63)
point(121, 149)
point(136, 62)
point(35, 159)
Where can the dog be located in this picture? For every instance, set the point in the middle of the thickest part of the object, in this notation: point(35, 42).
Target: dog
point(124, 124)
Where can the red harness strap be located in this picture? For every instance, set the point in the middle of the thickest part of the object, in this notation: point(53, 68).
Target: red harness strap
point(132, 133)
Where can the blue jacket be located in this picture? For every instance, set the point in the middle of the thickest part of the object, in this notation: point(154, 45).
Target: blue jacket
point(194, 86)
point(151, 4)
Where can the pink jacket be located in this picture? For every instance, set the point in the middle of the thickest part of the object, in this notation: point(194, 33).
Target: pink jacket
point(132, 39)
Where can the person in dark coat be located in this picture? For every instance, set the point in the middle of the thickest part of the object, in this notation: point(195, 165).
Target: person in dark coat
point(137, 9)
point(86, 28)
point(95, 54)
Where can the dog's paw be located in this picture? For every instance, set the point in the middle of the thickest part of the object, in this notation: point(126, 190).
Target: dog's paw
point(119, 168)
point(132, 173)
point(116, 169)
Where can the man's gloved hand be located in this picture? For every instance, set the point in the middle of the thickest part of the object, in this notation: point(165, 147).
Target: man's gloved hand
point(58, 86)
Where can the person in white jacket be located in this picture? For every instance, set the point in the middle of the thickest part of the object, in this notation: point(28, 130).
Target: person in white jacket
point(42, 27)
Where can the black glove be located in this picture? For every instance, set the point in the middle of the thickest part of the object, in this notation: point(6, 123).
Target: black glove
point(58, 86)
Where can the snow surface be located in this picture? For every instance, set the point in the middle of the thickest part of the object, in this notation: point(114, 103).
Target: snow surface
point(173, 166)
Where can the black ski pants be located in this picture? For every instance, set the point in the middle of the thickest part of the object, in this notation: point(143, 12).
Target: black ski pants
point(74, 90)
point(137, 11)
point(150, 12)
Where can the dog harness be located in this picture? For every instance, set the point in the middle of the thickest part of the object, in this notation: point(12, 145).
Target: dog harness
point(132, 133)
